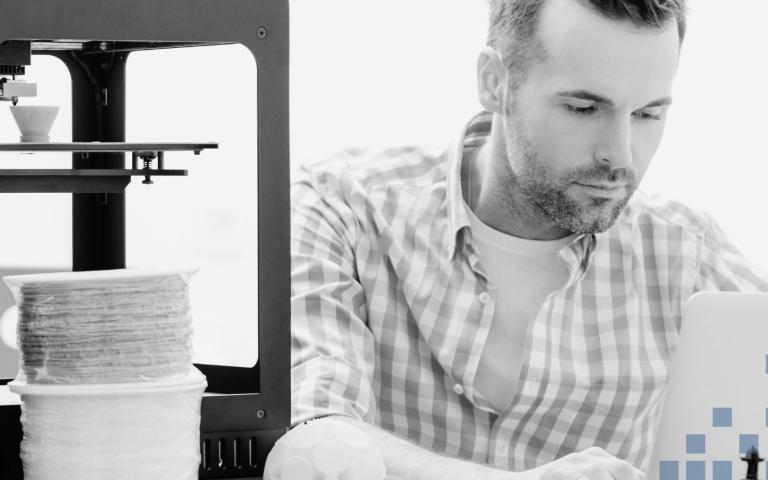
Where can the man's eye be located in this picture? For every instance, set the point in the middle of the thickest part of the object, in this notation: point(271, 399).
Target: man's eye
point(581, 110)
point(648, 114)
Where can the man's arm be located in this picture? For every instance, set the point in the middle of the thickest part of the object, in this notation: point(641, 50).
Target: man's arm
point(404, 459)
point(332, 348)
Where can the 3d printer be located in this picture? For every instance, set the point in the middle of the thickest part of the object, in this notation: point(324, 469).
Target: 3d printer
point(247, 408)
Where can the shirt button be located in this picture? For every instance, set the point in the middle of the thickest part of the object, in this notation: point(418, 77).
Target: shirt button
point(458, 389)
point(485, 297)
point(501, 447)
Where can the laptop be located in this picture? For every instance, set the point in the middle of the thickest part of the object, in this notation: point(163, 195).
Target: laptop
point(716, 408)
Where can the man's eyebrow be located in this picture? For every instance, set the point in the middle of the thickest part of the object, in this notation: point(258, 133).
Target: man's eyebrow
point(586, 95)
point(660, 102)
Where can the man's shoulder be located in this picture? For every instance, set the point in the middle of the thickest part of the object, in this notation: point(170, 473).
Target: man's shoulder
point(371, 168)
point(649, 211)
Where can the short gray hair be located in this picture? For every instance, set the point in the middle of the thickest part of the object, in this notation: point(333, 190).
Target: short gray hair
point(512, 26)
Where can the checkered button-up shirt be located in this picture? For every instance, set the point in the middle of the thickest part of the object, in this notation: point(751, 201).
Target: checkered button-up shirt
point(391, 310)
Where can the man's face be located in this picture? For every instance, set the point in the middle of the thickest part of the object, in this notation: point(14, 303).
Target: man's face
point(582, 128)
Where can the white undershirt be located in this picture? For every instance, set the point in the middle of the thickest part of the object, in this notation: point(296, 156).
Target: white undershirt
point(523, 273)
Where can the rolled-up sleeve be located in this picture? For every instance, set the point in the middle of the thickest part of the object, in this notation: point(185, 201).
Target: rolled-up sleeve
point(723, 267)
point(332, 349)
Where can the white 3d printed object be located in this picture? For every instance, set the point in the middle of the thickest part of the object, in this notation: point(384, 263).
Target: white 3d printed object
point(107, 326)
point(107, 385)
point(34, 121)
point(330, 449)
point(115, 431)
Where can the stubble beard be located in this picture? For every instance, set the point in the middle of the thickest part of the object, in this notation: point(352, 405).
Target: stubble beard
point(542, 194)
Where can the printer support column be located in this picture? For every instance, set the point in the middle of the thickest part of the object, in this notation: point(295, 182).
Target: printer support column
point(98, 114)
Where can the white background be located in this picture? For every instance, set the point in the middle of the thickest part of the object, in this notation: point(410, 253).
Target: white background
point(369, 73)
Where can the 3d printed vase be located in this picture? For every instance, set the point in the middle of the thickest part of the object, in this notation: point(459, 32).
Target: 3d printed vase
point(34, 121)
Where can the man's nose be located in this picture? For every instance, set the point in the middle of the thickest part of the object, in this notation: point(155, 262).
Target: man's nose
point(614, 148)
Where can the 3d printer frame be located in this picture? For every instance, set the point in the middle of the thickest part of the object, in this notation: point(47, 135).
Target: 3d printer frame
point(94, 39)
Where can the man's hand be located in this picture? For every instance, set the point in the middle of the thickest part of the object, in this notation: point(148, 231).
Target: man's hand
point(591, 464)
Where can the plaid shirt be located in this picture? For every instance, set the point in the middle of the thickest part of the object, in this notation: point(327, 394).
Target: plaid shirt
point(391, 309)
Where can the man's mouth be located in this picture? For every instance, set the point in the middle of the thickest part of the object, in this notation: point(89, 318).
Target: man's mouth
point(607, 190)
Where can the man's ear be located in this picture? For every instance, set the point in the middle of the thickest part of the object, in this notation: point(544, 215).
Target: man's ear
point(491, 80)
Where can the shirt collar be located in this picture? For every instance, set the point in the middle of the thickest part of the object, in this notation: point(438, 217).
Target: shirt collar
point(474, 134)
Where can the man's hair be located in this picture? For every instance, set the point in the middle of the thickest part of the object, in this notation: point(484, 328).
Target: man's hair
point(512, 26)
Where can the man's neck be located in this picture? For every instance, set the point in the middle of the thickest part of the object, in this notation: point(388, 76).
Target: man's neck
point(492, 195)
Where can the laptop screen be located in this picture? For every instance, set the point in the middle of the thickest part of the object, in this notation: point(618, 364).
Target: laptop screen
point(716, 406)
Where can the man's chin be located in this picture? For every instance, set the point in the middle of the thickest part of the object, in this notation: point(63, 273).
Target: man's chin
point(596, 217)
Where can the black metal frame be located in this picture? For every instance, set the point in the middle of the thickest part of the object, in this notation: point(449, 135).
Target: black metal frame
point(256, 408)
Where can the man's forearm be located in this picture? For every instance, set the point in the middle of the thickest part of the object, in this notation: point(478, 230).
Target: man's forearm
point(403, 458)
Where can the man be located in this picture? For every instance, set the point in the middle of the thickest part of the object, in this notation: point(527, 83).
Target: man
point(507, 308)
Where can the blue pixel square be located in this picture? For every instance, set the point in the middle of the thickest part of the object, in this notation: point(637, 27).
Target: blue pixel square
point(669, 470)
point(766, 363)
point(694, 470)
point(694, 443)
point(722, 417)
point(766, 417)
point(748, 441)
point(722, 470)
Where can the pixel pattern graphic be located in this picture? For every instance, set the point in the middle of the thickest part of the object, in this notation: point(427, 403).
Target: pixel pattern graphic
point(695, 445)
point(695, 465)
